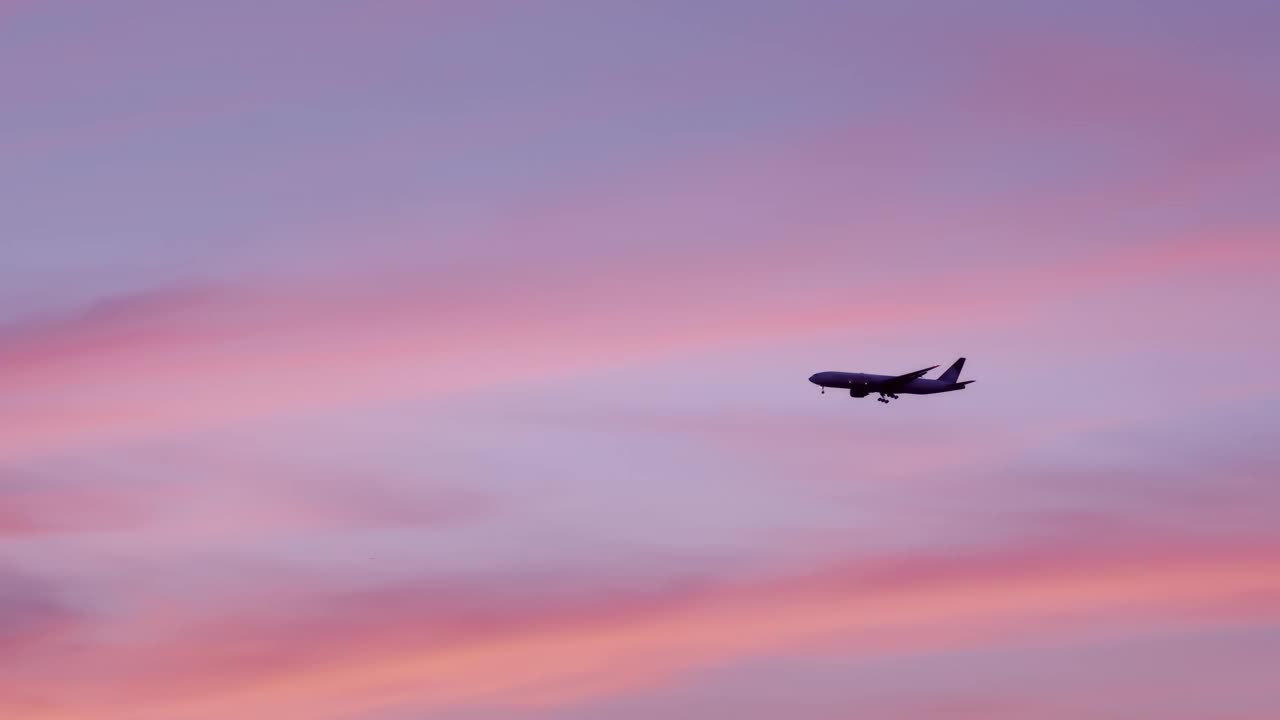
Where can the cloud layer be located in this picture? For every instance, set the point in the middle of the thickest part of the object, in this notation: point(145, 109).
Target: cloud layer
point(449, 361)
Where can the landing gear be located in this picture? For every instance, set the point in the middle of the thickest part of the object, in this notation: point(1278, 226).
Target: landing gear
point(884, 398)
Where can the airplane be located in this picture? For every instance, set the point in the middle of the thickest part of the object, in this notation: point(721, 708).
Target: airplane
point(861, 385)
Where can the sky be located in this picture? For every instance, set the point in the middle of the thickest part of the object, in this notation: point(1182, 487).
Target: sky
point(404, 360)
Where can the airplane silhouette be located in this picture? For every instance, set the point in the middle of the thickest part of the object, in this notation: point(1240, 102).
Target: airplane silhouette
point(861, 385)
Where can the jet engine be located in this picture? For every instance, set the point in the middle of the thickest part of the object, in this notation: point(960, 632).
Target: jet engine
point(858, 392)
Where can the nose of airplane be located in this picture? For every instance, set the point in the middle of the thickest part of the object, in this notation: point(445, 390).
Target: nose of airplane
point(814, 378)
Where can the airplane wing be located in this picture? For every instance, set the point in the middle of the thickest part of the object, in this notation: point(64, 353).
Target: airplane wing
point(901, 380)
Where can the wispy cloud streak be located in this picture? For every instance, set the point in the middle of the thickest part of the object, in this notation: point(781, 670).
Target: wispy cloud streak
point(917, 604)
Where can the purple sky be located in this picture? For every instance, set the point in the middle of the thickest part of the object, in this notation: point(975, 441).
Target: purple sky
point(389, 360)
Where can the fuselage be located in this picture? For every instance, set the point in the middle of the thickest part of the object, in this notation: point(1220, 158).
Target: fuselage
point(869, 383)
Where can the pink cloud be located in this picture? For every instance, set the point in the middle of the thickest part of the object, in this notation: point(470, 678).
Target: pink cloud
point(430, 650)
point(35, 508)
point(207, 496)
point(165, 362)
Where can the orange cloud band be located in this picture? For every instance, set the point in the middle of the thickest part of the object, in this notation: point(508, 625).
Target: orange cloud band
point(914, 605)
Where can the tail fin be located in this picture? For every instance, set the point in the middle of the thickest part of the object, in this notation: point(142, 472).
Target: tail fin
point(953, 373)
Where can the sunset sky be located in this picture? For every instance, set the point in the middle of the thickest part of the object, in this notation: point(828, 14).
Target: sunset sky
point(405, 360)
